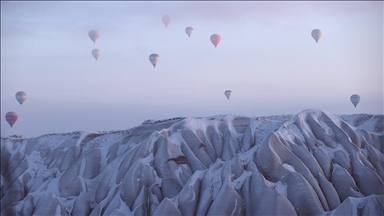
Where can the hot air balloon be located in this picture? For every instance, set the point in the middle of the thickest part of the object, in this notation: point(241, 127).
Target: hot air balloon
point(21, 97)
point(215, 39)
point(96, 53)
point(94, 35)
point(228, 93)
point(154, 59)
point(355, 99)
point(189, 31)
point(316, 34)
point(11, 118)
point(166, 20)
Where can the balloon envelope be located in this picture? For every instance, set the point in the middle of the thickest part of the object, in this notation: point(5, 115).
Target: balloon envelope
point(215, 39)
point(189, 31)
point(166, 20)
point(96, 53)
point(355, 99)
point(154, 59)
point(94, 35)
point(316, 34)
point(21, 97)
point(11, 118)
point(228, 93)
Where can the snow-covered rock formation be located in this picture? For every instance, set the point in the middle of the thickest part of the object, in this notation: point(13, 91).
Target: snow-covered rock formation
point(313, 163)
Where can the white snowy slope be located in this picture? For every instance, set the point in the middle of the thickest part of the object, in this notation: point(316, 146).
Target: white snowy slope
point(312, 163)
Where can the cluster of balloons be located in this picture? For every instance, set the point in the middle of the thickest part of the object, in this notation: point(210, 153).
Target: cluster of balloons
point(11, 117)
point(215, 40)
point(94, 35)
point(153, 58)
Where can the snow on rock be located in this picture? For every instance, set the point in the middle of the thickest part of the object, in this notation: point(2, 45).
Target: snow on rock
point(312, 163)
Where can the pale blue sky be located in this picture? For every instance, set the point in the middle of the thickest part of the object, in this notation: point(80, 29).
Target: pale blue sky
point(267, 57)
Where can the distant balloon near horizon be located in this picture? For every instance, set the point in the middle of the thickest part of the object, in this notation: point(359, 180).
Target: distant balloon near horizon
point(166, 20)
point(11, 118)
point(94, 35)
point(355, 99)
point(154, 59)
point(96, 53)
point(316, 34)
point(21, 97)
point(215, 39)
point(228, 93)
point(189, 31)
